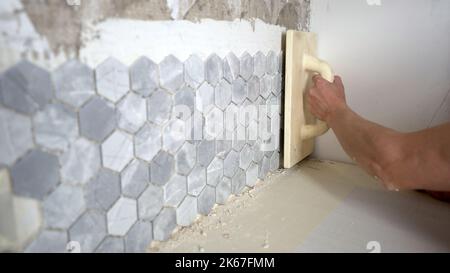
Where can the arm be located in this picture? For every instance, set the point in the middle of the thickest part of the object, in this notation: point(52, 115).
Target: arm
point(418, 160)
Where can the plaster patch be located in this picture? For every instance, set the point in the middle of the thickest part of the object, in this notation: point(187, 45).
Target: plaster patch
point(157, 39)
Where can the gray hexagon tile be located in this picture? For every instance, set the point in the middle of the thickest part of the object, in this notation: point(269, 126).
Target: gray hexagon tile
point(171, 73)
point(175, 190)
point(184, 103)
point(280, 62)
point(49, 241)
point(196, 180)
point(197, 123)
point(131, 113)
point(260, 101)
point(214, 69)
point(187, 211)
point(253, 88)
point(150, 202)
point(214, 124)
point(278, 84)
point(117, 151)
point(121, 216)
point(257, 152)
point(247, 112)
point(144, 76)
point(252, 131)
point(159, 107)
point(273, 106)
point(134, 178)
point(185, 158)
point(223, 146)
point(113, 80)
point(164, 224)
point(103, 190)
point(246, 66)
point(231, 164)
point(74, 83)
point(80, 163)
point(239, 138)
point(280, 97)
point(231, 119)
point(266, 85)
point(223, 190)
point(162, 168)
point(139, 237)
point(259, 61)
point(55, 127)
point(16, 138)
point(205, 152)
point(194, 71)
point(264, 126)
point(25, 87)
point(239, 91)
point(206, 200)
point(222, 94)
point(111, 245)
point(274, 161)
point(245, 157)
point(214, 172)
point(35, 175)
point(270, 146)
point(264, 168)
point(174, 135)
point(63, 206)
point(89, 230)
point(97, 119)
point(204, 98)
point(238, 181)
point(272, 63)
point(148, 142)
point(230, 67)
point(251, 175)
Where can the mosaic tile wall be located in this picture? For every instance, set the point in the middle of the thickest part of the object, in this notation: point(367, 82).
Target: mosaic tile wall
point(93, 157)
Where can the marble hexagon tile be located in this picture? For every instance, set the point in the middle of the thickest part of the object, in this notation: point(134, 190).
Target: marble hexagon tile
point(110, 141)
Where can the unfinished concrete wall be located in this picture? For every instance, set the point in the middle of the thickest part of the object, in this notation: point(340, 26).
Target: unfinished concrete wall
point(95, 155)
point(51, 31)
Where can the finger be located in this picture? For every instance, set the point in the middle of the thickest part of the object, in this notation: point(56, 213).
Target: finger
point(338, 81)
point(312, 91)
point(317, 79)
point(316, 112)
point(312, 102)
point(315, 107)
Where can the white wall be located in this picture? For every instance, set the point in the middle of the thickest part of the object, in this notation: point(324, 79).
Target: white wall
point(394, 59)
point(158, 39)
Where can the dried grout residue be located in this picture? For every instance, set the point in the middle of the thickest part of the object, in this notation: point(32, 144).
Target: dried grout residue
point(110, 158)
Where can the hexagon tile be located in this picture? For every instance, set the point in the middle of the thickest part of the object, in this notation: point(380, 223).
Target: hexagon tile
point(110, 158)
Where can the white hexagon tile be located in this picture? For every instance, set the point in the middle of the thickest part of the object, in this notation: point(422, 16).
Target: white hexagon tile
point(110, 157)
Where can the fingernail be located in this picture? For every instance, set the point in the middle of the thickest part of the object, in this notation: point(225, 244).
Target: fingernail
point(391, 187)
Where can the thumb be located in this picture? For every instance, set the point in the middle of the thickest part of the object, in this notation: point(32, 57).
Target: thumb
point(338, 82)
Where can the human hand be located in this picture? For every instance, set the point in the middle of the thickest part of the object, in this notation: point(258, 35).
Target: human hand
point(326, 98)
